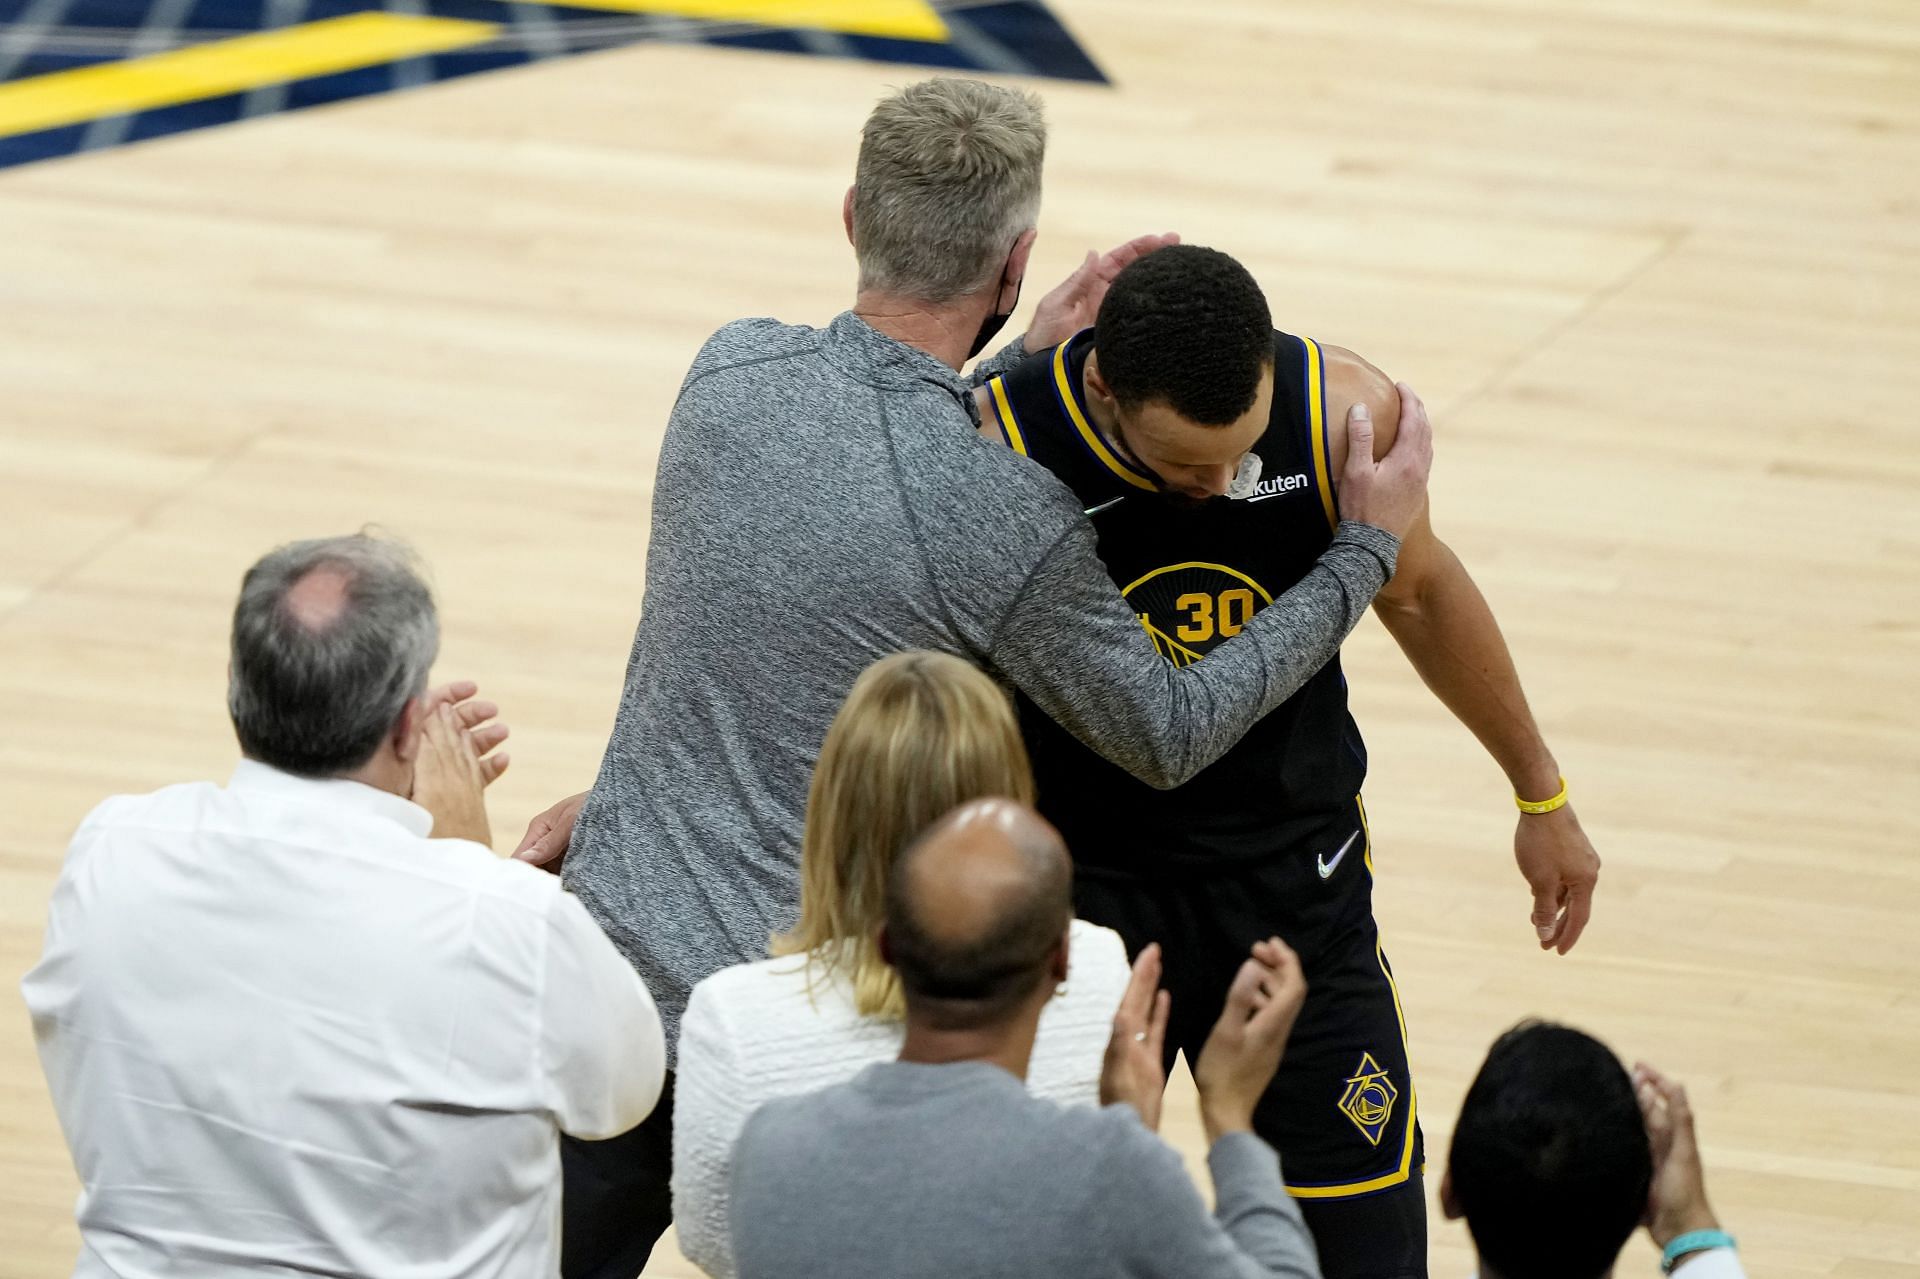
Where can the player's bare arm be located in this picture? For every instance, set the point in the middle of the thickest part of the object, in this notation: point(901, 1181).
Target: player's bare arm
point(989, 415)
point(1442, 623)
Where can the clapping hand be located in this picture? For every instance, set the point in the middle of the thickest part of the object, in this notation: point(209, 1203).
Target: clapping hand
point(449, 778)
point(1677, 1203)
point(478, 719)
point(1135, 1070)
point(1239, 1058)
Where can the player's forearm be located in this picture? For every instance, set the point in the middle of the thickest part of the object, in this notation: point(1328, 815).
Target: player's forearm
point(1450, 636)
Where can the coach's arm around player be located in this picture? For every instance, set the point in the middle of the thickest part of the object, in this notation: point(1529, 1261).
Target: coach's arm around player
point(1441, 621)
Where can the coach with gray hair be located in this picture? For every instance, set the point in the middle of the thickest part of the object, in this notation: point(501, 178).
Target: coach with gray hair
point(308, 1022)
point(823, 499)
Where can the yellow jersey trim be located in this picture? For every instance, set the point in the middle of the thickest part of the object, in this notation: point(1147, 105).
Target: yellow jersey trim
point(1401, 1174)
point(1317, 414)
point(1175, 568)
point(1009, 424)
point(1063, 377)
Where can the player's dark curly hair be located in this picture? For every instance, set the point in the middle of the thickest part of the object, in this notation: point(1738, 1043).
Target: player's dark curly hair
point(1187, 326)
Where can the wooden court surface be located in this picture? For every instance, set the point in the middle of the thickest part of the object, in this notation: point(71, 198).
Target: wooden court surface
point(1655, 265)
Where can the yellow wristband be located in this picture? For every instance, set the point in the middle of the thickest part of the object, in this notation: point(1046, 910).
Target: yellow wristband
point(1545, 805)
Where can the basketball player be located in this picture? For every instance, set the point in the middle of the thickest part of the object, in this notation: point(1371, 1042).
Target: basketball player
point(1198, 439)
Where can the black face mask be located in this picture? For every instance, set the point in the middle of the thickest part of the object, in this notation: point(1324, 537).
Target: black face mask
point(991, 326)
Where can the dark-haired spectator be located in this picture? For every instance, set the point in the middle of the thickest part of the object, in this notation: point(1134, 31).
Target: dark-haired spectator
point(1559, 1155)
point(288, 1032)
point(943, 1164)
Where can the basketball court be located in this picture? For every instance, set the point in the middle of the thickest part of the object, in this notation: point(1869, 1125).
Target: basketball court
point(1654, 266)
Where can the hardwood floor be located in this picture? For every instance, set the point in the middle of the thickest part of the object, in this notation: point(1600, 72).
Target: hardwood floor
point(1656, 266)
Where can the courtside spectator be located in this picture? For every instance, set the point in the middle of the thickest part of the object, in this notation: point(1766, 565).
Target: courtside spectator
point(941, 1163)
point(1559, 1155)
point(920, 735)
point(305, 1024)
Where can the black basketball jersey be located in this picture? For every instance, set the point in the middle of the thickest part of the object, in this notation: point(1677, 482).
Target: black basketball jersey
point(1194, 574)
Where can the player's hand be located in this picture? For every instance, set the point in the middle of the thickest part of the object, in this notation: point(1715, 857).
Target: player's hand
point(1677, 1202)
point(449, 780)
point(1390, 493)
point(1073, 305)
point(547, 837)
point(476, 717)
point(1135, 1070)
point(1562, 869)
point(1238, 1060)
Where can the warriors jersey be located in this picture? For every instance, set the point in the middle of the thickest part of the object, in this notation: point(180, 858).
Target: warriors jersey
point(1194, 574)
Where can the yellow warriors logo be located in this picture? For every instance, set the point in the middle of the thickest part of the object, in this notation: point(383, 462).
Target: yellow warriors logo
point(1369, 1098)
point(1189, 608)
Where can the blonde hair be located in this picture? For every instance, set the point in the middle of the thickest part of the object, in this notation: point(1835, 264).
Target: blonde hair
point(919, 735)
point(948, 178)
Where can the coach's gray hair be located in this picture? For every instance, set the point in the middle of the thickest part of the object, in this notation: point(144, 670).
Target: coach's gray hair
point(315, 698)
point(948, 179)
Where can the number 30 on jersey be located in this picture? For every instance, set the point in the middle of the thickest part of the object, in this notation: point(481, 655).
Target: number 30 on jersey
point(1189, 608)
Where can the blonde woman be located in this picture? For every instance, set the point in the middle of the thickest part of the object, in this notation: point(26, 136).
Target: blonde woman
point(920, 734)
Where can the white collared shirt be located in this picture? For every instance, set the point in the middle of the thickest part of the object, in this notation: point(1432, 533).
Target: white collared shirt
point(285, 1029)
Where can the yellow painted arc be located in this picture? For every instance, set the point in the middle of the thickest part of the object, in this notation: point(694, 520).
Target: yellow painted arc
point(228, 66)
point(898, 19)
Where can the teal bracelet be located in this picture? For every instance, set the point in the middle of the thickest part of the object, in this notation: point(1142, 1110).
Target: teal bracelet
point(1693, 1241)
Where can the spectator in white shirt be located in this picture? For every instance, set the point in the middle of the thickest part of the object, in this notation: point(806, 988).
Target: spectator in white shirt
point(919, 735)
point(1558, 1155)
point(288, 1032)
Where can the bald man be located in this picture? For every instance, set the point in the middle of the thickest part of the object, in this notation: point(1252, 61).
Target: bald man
point(942, 1164)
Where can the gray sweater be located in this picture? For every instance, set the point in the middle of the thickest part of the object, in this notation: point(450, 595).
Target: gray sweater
point(822, 500)
point(957, 1172)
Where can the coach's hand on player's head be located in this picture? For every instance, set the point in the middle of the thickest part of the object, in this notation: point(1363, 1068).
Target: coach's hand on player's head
point(1562, 869)
point(1390, 493)
point(1135, 1070)
point(1238, 1060)
point(449, 778)
point(1073, 304)
point(547, 837)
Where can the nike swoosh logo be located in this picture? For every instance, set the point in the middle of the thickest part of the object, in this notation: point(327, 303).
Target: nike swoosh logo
point(1328, 867)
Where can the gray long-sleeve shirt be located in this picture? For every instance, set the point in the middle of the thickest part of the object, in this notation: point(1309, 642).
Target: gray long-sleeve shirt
point(956, 1170)
point(823, 500)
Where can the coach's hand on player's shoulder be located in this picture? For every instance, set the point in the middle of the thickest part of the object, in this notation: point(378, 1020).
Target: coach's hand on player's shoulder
point(1135, 1069)
point(547, 837)
point(1072, 304)
point(1562, 869)
point(1241, 1054)
point(1390, 493)
point(449, 780)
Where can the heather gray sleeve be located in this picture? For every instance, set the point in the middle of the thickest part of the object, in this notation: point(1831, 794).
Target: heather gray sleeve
point(1162, 1228)
point(1071, 643)
point(1001, 361)
point(1252, 1204)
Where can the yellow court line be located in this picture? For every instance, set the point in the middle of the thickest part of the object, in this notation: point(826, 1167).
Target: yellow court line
point(221, 67)
point(897, 19)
